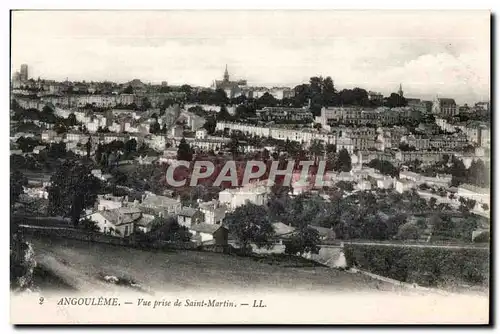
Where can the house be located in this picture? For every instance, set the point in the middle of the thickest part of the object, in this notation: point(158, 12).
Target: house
point(384, 182)
point(145, 224)
point(110, 202)
point(201, 134)
point(214, 212)
point(98, 174)
point(118, 222)
point(209, 234)
point(282, 231)
point(364, 185)
point(161, 205)
point(254, 193)
point(403, 185)
point(193, 121)
point(324, 233)
point(36, 192)
point(38, 149)
point(189, 216)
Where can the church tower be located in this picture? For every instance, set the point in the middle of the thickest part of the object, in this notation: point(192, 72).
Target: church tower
point(226, 75)
point(400, 92)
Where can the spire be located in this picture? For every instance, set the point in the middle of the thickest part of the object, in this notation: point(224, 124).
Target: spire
point(226, 75)
point(400, 92)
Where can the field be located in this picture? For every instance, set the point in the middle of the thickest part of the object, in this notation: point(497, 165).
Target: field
point(80, 265)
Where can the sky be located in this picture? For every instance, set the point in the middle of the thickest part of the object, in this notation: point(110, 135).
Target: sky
point(443, 53)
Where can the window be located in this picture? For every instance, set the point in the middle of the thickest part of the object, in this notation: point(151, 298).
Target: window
point(126, 230)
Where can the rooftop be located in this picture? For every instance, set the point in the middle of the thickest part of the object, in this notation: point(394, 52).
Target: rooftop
point(206, 228)
point(155, 200)
point(188, 212)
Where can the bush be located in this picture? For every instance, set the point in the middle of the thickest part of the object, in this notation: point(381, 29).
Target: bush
point(305, 241)
point(408, 231)
point(482, 237)
point(424, 266)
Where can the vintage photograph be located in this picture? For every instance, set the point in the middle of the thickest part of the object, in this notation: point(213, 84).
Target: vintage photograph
point(250, 167)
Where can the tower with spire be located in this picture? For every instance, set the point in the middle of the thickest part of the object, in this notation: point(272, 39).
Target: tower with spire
point(400, 92)
point(226, 75)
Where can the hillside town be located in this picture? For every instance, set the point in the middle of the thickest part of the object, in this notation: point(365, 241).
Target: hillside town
point(93, 156)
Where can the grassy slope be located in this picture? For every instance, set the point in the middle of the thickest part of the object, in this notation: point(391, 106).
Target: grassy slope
point(80, 263)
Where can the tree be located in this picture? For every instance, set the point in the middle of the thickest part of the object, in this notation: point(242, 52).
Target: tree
point(234, 146)
point(210, 125)
point(89, 225)
point(306, 240)
point(186, 89)
point(356, 97)
point(71, 120)
point(432, 203)
point(329, 94)
point(184, 152)
point(249, 224)
point(345, 185)
point(168, 229)
point(88, 147)
point(223, 114)
point(458, 172)
point(478, 174)
point(385, 167)
point(146, 104)
point(482, 237)
point(404, 147)
point(331, 148)
point(155, 127)
point(395, 100)
point(466, 204)
point(408, 231)
point(73, 188)
point(57, 150)
point(128, 90)
point(47, 110)
point(266, 100)
point(130, 145)
point(485, 207)
point(343, 162)
point(17, 181)
point(317, 149)
point(60, 128)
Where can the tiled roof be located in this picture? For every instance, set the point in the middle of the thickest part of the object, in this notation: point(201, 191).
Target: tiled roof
point(187, 212)
point(282, 229)
point(114, 216)
point(159, 201)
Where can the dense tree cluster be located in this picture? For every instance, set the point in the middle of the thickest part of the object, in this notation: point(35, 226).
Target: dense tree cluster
point(424, 266)
point(383, 166)
point(73, 189)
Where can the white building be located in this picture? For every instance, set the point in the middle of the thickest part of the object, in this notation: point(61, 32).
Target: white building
point(201, 134)
point(213, 211)
point(161, 205)
point(404, 185)
point(233, 198)
point(110, 202)
point(117, 222)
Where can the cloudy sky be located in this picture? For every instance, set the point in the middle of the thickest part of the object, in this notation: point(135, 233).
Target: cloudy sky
point(443, 53)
